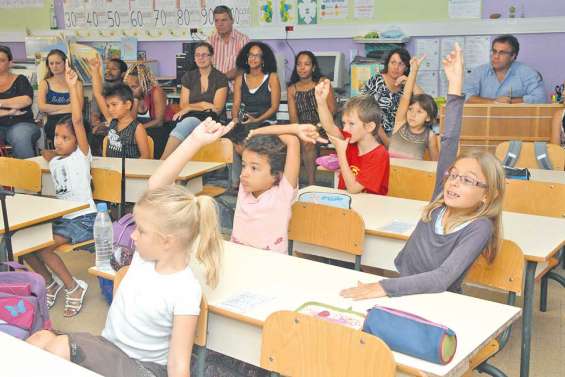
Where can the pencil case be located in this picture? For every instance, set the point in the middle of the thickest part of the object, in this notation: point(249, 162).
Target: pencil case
point(412, 335)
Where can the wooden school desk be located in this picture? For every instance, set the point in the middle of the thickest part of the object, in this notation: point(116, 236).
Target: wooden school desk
point(20, 359)
point(539, 238)
point(30, 219)
point(138, 172)
point(276, 281)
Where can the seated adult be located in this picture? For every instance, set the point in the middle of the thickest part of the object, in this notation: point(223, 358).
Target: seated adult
point(302, 106)
point(504, 80)
point(256, 97)
point(53, 93)
point(17, 127)
point(387, 86)
point(203, 94)
point(558, 128)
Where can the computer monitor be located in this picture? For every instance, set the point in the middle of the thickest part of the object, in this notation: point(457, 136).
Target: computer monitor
point(332, 66)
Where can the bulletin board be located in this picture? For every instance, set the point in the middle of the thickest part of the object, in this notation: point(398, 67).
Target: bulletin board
point(17, 15)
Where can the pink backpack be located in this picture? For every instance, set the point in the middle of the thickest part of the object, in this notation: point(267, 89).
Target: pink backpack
point(123, 244)
point(23, 302)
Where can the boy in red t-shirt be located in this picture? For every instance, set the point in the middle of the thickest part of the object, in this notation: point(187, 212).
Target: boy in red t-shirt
point(363, 161)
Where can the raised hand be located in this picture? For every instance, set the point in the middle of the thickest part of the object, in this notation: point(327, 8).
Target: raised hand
point(71, 76)
point(415, 62)
point(309, 134)
point(453, 64)
point(339, 144)
point(209, 131)
point(322, 90)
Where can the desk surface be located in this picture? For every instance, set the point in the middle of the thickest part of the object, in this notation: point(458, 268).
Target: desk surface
point(139, 168)
point(27, 210)
point(288, 282)
point(539, 237)
point(20, 359)
point(552, 176)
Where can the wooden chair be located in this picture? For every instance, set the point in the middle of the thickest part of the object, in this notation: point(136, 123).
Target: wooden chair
point(504, 273)
point(218, 151)
point(107, 187)
point(325, 226)
point(20, 174)
point(149, 141)
point(201, 326)
point(541, 199)
point(298, 345)
point(410, 183)
point(527, 158)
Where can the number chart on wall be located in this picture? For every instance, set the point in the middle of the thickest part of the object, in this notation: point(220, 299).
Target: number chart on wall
point(113, 14)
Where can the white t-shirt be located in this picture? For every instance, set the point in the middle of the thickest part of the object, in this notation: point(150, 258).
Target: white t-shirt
point(140, 320)
point(71, 178)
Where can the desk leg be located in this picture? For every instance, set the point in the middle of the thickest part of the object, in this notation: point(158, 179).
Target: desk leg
point(527, 313)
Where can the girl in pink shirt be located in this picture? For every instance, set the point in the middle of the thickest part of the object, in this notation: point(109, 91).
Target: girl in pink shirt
point(268, 181)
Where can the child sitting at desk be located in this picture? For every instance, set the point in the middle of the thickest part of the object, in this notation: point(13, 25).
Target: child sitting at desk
point(412, 134)
point(463, 219)
point(363, 161)
point(152, 321)
point(269, 178)
point(70, 169)
point(126, 136)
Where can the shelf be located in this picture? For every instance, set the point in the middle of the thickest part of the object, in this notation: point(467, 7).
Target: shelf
point(380, 40)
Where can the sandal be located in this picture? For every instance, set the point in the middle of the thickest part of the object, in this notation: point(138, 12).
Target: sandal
point(72, 304)
point(52, 297)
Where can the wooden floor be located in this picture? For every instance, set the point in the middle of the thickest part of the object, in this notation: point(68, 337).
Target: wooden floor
point(548, 345)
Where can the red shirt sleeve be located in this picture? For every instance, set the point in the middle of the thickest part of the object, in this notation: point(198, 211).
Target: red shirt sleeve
point(374, 171)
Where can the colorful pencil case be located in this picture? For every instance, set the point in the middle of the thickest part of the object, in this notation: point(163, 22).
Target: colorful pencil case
point(412, 335)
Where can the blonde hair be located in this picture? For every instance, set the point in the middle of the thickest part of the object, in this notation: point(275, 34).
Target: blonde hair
point(143, 73)
point(188, 217)
point(367, 109)
point(491, 208)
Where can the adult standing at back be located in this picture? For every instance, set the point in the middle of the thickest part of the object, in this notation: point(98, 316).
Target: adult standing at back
point(17, 127)
point(387, 86)
point(226, 41)
point(504, 80)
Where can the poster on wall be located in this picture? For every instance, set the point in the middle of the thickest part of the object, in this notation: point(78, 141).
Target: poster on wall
point(21, 4)
point(307, 12)
point(464, 8)
point(266, 12)
point(333, 9)
point(364, 8)
point(287, 11)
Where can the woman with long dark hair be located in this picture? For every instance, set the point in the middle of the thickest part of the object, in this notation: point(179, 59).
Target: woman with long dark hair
point(302, 107)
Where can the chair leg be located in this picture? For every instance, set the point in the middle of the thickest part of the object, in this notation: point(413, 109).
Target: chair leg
point(200, 353)
point(358, 262)
point(543, 293)
point(490, 369)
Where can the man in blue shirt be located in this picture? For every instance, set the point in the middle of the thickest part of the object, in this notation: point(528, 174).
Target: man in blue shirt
point(505, 80)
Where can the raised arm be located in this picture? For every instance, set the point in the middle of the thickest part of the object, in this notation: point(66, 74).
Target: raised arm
point(75, 92)
point(207, 132)
point(326, 118)
point(97, 87)
point(453, 67)
point(409, 87)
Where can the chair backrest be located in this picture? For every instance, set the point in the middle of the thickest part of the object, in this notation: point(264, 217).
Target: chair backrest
point(527, 158)
point(149, 141)
point(335, 228)
point(298, 345)
point(107, 185)
point(201, 326)
point(504, 273)
point(535, 198)
point(218, 151)
point(410, 183)
point(20, 174)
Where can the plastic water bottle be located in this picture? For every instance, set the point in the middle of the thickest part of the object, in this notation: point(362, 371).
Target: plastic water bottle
point(103, 237)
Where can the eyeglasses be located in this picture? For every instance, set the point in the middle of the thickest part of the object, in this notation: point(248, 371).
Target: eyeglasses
point(258, 56)
point(451, 175)
point(197, 56)
point(500, 52)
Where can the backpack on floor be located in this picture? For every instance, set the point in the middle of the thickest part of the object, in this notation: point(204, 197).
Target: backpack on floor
point(123, 245)
point(23, 302)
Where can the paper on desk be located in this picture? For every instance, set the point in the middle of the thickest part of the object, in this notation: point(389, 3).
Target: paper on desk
point(397, 226)
point(245, 301)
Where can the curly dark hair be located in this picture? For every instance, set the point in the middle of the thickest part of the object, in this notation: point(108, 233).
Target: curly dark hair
point(404, 56)
point(316, 73)
point(269, 64)
point(273, 148)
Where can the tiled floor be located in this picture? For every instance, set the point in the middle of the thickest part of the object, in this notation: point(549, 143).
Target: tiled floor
point(548, 346)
